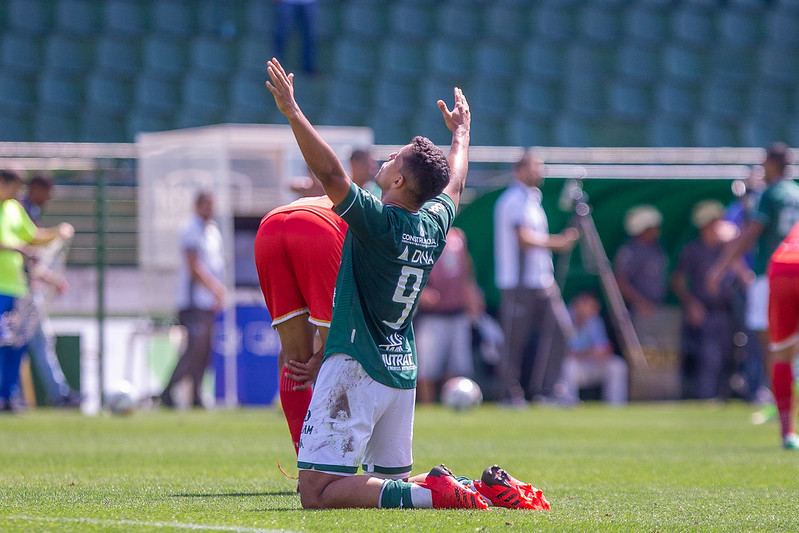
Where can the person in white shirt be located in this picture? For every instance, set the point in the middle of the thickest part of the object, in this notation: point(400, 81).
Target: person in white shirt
point(524, 273)
point(201, 295)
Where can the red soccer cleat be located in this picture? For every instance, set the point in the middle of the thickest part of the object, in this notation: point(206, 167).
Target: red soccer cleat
point(448, 493)
point(503, 490)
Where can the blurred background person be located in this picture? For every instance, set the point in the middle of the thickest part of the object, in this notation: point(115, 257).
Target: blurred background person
point(768, 223)
point(448, 305)
point(751, 371)
point(641, 267)
point(532, 307)
point(17, 231)
point(590, 359)
point(783, 313)
point(708, 319)
point(201, 295)
point(301, 14)
point(44, 281)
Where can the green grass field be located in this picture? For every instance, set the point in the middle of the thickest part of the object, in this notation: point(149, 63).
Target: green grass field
point(674, 467)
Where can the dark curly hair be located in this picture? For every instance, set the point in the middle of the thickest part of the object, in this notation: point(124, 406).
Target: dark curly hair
point(426, 168)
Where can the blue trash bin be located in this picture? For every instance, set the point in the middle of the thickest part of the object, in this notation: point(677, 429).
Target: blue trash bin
point(257, 351)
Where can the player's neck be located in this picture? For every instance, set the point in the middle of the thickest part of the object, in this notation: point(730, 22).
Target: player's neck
point(392, 198)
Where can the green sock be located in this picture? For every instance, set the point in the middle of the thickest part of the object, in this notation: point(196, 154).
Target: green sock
point(396, 495)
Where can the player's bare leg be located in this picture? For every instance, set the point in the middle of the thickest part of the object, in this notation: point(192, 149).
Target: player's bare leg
point(319, 490)
point(782, 384)
point(297, 344)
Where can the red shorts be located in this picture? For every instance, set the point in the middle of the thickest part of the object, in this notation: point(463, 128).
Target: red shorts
point(297, 254)
point(783, 309)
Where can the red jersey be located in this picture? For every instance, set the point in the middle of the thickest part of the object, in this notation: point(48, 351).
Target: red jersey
point(785, 259)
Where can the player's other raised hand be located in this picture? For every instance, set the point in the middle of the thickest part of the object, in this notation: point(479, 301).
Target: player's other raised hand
point(282, 87)
point(460, 114)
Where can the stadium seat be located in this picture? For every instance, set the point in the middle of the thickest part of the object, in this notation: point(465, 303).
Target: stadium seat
point(400, 57)
point(259, 19)
point(638, 62)
point(553, 21)
point(433, 89)
point(585, 96)
point(21, 52)
point(599, 23)
point(396, 130)
point(684, 63)
point(397, 97)
point(491, 99)
point(68, 54)
point(450, 60)
point(755, 132)
point(126, 17)
point(528, 130)
point(629, 100)
point(544, 60)
point(203, 92)
point(781, 25)
point(192, 116)
point(250, 100)
point(225, 19)
point(60, 92)
point(646, 22)
point(588, 60)
point(156, 96)
point(536, 98)
point(676, 100)
point(52, 126)
point(97, 125)
point(356, 58)
point(486, 131)
point(166, 55)
point(498, 61)
point(739, 27)
point(506, 22)
point(412, 20)
point(213, 56)
point(252, 55)
point(17, 93)
point(735, 63)
point(769, 103)
point(692, 26)
point(666, 131)
point(107, 93)
point(570, 131)
point(713, 133)
point(16, 128)
point(792, 134)
point(350, 96)
point(78, 17)
point(119, 55)
point(311, 91)
point(173, 17)
point(33, 16)
point(363, 18)
point(723, 100)
point(142, 122)
point(454, 21)
point(778, 64)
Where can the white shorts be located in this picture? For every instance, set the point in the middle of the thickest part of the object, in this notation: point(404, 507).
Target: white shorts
point(757, 304)
point(355, 421)
point(444, 346)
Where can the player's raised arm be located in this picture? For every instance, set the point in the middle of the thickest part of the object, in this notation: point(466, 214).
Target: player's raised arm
point(459, 123)
point(319, 157)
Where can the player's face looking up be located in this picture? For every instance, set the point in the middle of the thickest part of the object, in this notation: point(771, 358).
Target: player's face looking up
point(391, 169)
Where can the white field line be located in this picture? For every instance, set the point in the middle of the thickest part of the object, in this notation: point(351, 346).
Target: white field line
point(174, 525)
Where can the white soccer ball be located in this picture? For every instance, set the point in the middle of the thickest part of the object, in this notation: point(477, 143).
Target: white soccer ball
point(461, 393)
point(121, 398)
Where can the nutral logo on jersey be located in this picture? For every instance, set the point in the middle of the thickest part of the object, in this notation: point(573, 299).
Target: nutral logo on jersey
point(394, 354)
point(419, 240)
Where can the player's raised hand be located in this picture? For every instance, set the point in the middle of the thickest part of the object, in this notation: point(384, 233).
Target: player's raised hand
point(460, 114)
point(282, 87)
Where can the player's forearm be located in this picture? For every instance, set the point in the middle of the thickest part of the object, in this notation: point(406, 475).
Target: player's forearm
point(318, 155)
point(459, 158)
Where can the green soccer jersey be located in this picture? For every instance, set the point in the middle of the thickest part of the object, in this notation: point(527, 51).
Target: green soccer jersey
point(778, 210)
point(385, 262)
